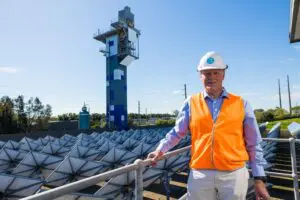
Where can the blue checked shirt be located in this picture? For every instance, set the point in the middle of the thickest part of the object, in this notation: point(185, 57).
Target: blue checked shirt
point(251, 131)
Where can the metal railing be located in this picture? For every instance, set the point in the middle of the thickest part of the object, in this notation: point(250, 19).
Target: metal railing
point(294, 173)
point(139, 165)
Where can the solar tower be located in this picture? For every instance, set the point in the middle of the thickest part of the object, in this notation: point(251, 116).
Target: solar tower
point(121, 48)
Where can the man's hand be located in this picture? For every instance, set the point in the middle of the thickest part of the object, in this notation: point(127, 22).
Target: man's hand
point(155, 156)
point(261, 190)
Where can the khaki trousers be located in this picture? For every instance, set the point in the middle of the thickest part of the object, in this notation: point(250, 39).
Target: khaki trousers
point(212, 184)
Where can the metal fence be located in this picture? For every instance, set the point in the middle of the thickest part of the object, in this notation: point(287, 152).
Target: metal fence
point(138, 167)
point(294, 173)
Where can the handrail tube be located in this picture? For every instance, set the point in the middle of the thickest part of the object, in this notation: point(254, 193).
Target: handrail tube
point(138, 192)
point(275, 139)
point(294, 168)
point(84, 183)
point(278, 174)
point(81, 184)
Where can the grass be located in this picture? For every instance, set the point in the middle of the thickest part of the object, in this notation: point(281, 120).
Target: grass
point(284, 123)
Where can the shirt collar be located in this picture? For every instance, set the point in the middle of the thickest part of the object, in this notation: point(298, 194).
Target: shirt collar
point(223, 95)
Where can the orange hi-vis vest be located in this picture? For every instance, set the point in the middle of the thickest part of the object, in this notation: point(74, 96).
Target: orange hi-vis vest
point(217, 145)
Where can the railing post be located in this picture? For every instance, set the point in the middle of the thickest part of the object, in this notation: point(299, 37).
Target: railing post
point(138, 190)
point(294, 168)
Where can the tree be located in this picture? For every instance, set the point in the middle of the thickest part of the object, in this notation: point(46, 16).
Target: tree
point(38, 108)
point(73, 116)
point(96, 117)
point(7, 118)
point(259, 116)
point(48, 111)
point(30, 114)
point(16, 115)
point(296, 110)
point(63, 117)
point(37, 114)
point(45, 116)
point(259, 110)
point(21, 115)
point(268, 115)
point(280, 113)
point(263, 116)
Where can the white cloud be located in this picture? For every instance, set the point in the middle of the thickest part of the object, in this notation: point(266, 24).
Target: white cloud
point(175, 92)
point(287, 60)
point(10, 70)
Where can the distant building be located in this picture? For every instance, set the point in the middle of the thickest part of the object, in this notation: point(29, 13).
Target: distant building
point(84, 118)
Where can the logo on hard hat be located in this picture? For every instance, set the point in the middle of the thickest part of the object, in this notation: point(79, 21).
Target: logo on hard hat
point(210, 60)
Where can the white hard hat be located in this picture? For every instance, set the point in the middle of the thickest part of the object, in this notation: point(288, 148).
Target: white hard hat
point(211, 60)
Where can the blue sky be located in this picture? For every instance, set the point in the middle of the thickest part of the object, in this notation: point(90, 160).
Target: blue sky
point(47, 50)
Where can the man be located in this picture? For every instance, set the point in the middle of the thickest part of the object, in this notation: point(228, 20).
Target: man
point(224, 136)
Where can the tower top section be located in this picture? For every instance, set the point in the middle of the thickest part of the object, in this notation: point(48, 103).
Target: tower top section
point(84, 108)
point(126, 16)
point(125, 21)
point(122, 40)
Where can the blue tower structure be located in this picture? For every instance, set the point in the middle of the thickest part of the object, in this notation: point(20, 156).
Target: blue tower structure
point(84, 118)
point(121, 48)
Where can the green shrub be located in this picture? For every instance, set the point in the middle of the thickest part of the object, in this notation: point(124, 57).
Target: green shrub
point(165, 122)
point(95, 125)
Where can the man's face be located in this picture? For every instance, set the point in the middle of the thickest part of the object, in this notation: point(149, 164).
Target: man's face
point(212, 79)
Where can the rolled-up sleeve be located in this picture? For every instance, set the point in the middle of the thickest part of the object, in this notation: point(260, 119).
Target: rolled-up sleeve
point(253, 139)
point(179, 130)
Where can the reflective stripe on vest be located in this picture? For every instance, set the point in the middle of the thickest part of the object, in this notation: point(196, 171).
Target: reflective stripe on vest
point(217, 145)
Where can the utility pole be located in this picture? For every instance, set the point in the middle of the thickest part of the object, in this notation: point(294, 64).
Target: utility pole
point(280, 105)
point(185, 95)
point(139, 111)
point(146, 118)
point(289, 92)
